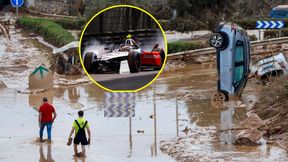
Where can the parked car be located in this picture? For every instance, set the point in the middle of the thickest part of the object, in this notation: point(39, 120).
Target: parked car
point(129, 50)
point(233, 58)
point(280, 11)
point(271, 66)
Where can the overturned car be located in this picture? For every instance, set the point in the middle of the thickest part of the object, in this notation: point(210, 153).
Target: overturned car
point(233, 58)
point(137, 58)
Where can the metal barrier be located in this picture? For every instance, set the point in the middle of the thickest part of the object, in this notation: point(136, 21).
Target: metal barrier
point(210, 50)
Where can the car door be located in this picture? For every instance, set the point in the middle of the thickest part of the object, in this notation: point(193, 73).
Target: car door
point(239, 67)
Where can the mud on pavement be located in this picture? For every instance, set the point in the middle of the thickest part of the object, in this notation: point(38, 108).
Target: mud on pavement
point(22, 53)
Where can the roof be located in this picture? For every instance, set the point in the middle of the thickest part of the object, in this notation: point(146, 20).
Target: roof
point(281, 7)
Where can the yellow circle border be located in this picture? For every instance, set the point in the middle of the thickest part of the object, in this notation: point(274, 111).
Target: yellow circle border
point(80, 53)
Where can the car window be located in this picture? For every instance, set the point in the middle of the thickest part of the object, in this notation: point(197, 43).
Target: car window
point(239, 52)
point(238, 74)
point(279, 13)
point(282, 13)
point(239, 64)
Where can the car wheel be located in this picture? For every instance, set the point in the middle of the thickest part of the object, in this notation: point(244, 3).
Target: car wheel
point(217, 40)
point(217, 100)
point(88, 64)
point(162, 58)
point(134, 62)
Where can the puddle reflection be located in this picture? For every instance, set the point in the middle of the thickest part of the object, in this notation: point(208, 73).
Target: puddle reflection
point(73, 94)
point(226, 122)
point(36, 100)
point(48, 157)
point(201, 112)
point(79, 159)
point(154, 145)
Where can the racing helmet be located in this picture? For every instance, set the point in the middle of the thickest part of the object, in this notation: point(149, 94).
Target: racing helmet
point(130, 42)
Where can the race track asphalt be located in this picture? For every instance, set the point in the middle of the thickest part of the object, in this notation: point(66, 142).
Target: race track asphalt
point(131, 81)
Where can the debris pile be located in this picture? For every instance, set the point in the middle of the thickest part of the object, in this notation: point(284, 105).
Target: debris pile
point(253, 130)
point(272, 108)
point(187, 148)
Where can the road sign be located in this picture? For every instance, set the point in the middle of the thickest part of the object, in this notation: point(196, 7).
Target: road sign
point(119, 104)
point(41, 78)
point(40, 70)
point(269, 24)
point(17, 3)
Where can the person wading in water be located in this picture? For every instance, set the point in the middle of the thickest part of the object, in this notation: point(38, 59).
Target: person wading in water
point(45, 118)
point(79, 127)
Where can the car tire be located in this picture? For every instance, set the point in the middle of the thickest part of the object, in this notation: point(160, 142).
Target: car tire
point(88, 64)
point(219, 40)
point(162, 58)
point(134, 62)
point(217, 99)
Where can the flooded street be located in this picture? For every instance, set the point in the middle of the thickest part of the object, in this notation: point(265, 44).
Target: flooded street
point(122, 139)
point(176, 105)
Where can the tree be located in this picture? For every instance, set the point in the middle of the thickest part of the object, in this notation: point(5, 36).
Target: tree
point(209, 12)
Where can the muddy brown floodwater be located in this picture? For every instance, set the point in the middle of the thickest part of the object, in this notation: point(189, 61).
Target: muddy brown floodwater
point(182, 99)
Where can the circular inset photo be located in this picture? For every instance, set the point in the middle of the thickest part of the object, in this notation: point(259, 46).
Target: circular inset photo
point(123, 48)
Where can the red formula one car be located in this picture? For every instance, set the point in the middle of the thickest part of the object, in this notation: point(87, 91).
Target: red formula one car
point(140, 59)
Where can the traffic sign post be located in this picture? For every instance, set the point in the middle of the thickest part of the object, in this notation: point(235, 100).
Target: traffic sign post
point(41, 78)
point(119, 104)
point(269, 25)
point(17, 4)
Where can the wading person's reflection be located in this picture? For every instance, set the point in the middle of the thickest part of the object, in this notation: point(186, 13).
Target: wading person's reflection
point(79, 159)
point(49, 154)
point(73, 95)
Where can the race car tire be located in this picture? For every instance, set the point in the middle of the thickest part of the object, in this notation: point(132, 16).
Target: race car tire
point(134, 62)
point(219, 40)
point(88, 62)
point(162, 58)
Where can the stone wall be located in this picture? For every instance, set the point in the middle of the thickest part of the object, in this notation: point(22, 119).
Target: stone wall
point(59, 7)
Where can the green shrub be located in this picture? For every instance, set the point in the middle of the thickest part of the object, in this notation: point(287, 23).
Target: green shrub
point(49, 30)
point(253, 37)
point(71, 23)
point(180, 46)
point(274, 33)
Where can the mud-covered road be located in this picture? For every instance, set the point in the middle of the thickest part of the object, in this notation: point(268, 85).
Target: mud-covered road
point(182, 100)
